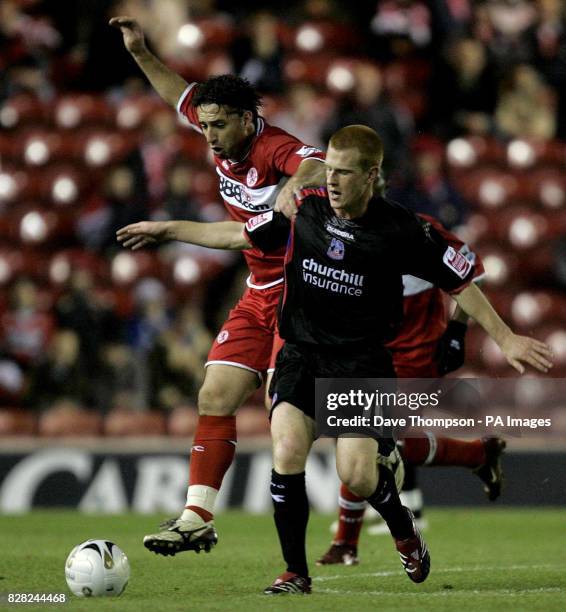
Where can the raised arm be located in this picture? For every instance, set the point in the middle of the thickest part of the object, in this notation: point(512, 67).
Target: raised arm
point(220, 235)
point(168, 84)
point(516, 348)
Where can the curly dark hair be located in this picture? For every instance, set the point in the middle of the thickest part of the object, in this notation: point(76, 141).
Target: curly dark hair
point(228, 90)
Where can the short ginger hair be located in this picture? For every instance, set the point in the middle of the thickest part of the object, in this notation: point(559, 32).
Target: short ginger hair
point(362, 139)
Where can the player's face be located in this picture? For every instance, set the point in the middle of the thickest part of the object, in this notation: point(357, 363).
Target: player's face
point(227, 133)
point(348, 183)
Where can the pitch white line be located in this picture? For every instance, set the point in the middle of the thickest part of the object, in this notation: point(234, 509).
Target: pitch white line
point(447, 592)
point(446, 570)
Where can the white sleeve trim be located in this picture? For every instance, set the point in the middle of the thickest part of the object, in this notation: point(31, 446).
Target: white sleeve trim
point(180, 115)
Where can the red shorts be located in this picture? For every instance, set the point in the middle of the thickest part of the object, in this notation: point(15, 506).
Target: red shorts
point(249, 339)
point(416, 363)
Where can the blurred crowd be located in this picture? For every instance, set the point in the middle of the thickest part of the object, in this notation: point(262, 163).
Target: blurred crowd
point(422, 73)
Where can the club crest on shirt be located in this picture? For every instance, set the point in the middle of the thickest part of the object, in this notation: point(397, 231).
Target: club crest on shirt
point(222, 336)
point(336, 249)
point(251, 178)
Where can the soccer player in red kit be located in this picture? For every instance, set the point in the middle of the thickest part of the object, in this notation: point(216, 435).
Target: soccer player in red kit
point(251, 159)
point(426, 347)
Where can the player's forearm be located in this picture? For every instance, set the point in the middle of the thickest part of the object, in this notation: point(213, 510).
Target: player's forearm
point(311, 173)
point(476, 305)
point(460, 316)
point(168, 84)
point(220, 235)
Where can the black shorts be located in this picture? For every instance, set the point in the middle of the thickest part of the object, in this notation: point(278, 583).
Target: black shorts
point(298, 366)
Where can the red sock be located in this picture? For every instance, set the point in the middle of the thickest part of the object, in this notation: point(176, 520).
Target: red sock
point(464, 453)
point(212, 454)
point(443, 451)
point(350, 517)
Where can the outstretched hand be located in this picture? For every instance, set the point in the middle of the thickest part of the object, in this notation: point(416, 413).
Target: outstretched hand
point(138, 235)
point(134, 39)
point(522, 349)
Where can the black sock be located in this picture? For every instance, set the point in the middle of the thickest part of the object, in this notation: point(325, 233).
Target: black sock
point(291, 505)
point(385, 500)
point(410, 481)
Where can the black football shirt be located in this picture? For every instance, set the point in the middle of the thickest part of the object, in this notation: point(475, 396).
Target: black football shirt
point(343, 281)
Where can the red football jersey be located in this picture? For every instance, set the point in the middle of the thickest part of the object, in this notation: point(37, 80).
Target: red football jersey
point(248, 186)
point(424, 310)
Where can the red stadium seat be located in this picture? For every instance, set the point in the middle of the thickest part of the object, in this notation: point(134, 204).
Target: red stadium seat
point(206, 33)
point(556, 339)
point(15, 422)
point(183, 421)
point(17, 185)
point(501, 267)
point(312, 68)
point(62, 263)
point(22, 262)
point(37, 227)
point(103, 148)
point(132, 113)
point(466, 152)
point(129, 422)
point(533, 308)
point(76, 110)
point(321, 36)
point(38, 147)
point(68, 420)
point(63, 185)
point(20, 110)
point(127, 267)
point(487, 187)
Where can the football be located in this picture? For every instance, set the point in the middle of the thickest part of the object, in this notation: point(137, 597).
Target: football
point(97, 568)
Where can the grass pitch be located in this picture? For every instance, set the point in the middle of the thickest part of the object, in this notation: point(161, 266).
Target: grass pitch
point(497, 559)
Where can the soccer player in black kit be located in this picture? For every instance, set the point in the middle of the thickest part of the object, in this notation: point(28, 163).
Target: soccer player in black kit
point(346, 253)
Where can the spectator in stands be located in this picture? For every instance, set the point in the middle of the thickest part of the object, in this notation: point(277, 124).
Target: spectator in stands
point(25, 329)
point(158, 149)
point(548, 40)
point(123, 202)
point(80, 310)
point(502, 25)
point(368, 105)
point(463, 91)
point(526, 106)
point(176, 362)
point(427, 189)
point(179, 201)
point(302, 117)
point(119, 384)
point(451, 18)
point(257, 56)
point(402, 28)
point(61, 374)
point(152, 316)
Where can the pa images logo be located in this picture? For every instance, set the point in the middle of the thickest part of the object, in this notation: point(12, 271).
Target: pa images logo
point(336, 249)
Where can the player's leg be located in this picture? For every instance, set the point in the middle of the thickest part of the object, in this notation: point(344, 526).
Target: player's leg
point(483, 456)
point(292, 434)
point(356, 462)
point(344, 546)
point(224, 389)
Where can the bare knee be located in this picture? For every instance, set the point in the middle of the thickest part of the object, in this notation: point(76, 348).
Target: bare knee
point(216, 400)
point(289, 455)
point(359, 476)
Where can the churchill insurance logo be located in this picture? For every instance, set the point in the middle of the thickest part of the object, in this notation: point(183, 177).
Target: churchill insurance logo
point(251, 178)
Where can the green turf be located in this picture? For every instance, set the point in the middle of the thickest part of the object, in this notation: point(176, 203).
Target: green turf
point(498, 559)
